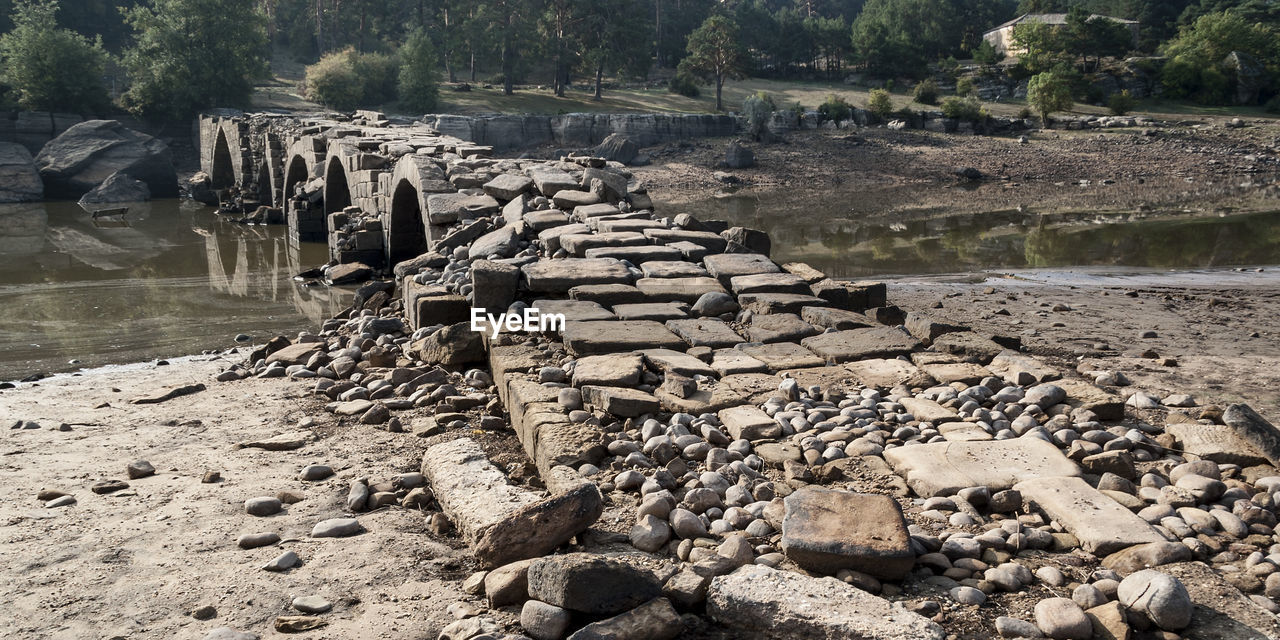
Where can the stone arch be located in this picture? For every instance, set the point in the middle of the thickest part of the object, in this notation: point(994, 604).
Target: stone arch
point(406, 236)
point(264, 185)
point(297, 171)
point(337, 194)
point(223, 171)
point(404, 225)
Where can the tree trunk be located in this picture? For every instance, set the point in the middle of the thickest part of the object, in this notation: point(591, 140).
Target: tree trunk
point(506, 67)
point(319, 28)
point(719, 84)
point(360, 40)
point(599, 80)
point(657, 32)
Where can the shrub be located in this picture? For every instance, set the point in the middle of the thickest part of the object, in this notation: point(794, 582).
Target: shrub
point(1025, 113)
point(685, 85)
point(1121, 103)
point(1047, 92)
point(949, 66)
point(835, 108)
point(986, 53)
point(1273, 105)
point(969, 109)
point(758, 109)
point(964, 87)
point(346, 80)
point(880, 103)
point(418, 88)
point(48, 68)
point(926, 92)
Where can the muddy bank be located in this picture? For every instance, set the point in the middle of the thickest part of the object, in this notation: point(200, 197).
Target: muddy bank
point(1211, 169)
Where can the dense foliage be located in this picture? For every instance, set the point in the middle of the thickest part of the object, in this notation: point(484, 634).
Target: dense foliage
point(1048, 93)
point(48, 68)
point(715, 53)
point(193, 54)
point(418, 84)
point(349, 79)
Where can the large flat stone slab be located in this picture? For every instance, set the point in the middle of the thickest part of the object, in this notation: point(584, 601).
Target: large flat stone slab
point(573, 310)
point(861, 344)
point(448, 208)
point(732, 361)
point(926, 410)
point(637, 255)
point(730, 391)
point(1101, 524)
point(500, 522)
point(608, 294)
point(558, 276)
point(614, 370)
point(829, 378)
point(507, 186)
point(586, 338)
point(551, 181)
point(769, 283)
point(620, 401)
point(657, 311)
point(943, 468)
point(726, 266)
point(672, 269)
point(551, 237)
point(760, 603)
point(1261, 435)
point(831, 318)
point(1021, 369)
point(968, 344)
point(779, 327)
point(705, 332)
point(712, 242)
point(678, 289)
point(667, 360)
point(779, 302)
point(749, 423)
point(781, 355)
point(1216, 442)
point(948, 372)
point(880, 373)
point(579, 243)
point(826, 530)
point(1086, 395)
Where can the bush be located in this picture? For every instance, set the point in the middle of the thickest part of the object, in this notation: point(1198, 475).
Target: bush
point(1121, 103)
point(835, 108)
point(968, 109)
point(47, 68)
point(949, 66)
point(964, 87)
point(418, 88)
point(346, 80)
point(758, 109)
point(1025, 113)
point(880, 103)
point(926, 92)
point(685, 85)
point(986, 53)
point(1047, 92)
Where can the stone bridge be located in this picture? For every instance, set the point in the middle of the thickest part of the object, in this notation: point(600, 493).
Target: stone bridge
point(380, 174)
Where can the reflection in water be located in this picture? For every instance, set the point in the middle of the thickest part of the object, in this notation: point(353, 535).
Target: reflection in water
point(861, 245)
point(171, 280)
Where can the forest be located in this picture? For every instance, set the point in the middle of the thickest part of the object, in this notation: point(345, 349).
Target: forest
point(171, 58)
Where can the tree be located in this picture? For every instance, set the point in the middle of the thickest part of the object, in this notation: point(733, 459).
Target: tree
point(1041, 44)
point(1197, 57)
point(714, 52)
point(616, 37)
point(561, 23)
point(193, 54)
point(505, 22)
point(900, 37)
point(1047, 93)
point(418, 89)
point(50, 68)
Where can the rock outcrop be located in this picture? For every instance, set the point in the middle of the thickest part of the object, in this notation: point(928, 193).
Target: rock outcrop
point(19, 180)
point(118, 187)
point(87, 154)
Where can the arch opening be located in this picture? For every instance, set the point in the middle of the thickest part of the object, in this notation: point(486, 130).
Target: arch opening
point(406, 235)
point(223, 174)
point(294, 176)
point(264, 186)
point(337, 196)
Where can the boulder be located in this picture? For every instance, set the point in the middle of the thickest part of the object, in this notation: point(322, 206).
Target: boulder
point(591, 583)
point(118, 187)
point(88, 153)
point(618, 148)
point(200, 186)
point(737, 156)
point(19, 180)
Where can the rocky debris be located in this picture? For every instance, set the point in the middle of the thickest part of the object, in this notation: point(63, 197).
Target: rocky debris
point(737, 156)
point(19, 179)
point(86, 154)
point(117, 188)
point(759, 602)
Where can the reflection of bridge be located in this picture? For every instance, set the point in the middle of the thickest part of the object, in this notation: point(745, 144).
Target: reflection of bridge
point(247, 266)
point(314, 167)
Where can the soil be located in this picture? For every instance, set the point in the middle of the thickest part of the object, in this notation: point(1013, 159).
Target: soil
point(137, 562)
point(1205, 166)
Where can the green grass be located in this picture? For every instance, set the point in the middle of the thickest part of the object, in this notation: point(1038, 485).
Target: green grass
point(282, 93)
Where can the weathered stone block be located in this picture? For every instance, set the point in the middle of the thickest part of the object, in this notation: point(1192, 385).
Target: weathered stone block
point(826, 531)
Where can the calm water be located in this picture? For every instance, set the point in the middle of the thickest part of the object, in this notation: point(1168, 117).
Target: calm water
point(844, 243)
point(170, 281)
